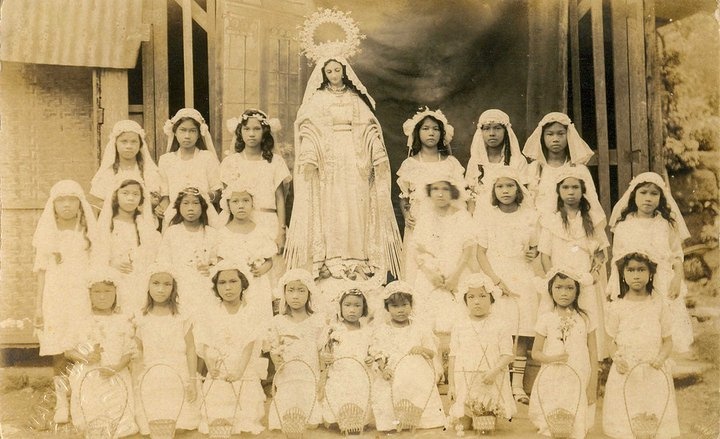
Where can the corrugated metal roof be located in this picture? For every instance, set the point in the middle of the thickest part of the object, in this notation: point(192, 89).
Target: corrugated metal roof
point(92, 33)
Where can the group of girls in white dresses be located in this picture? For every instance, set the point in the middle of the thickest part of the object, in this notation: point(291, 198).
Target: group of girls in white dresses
point(495, 256)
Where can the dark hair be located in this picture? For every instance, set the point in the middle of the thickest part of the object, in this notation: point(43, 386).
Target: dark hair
point(584, 208)
point(542, 140)
point(663, 208)
point(492, 297)
point(348, 83)
point(574, 305)
point(116, 206)
point(519, 197)
point(177, 219)
point(398, 299)
point(138, 157)
point(443, 148)
point(107, 282)
point(353, 292)
point(172, 299)
point(200, 144)
point(454, 192)
point(308, 306)
point(267, 142)
point(637, 257)
point(244, 282)
point(507, 152)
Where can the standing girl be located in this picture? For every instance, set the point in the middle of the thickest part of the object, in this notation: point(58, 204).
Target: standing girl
point(62, 241)
point(244, 241)
point(429, 136)
point(295, 334)
point(102, 342)
point(228, 341)
point(128, 241)
point(347, 336)
point(190, 160)
point(573, 236)
point(647, 217)
point(494, 146)
point(126, 156)
point(480, 352)
point(507, 247)
point(553, 146)
point(566, 335)
point(393, 340)
point(640, 330)
point(254, 160)
point(190, 246)
point(165, 336)
point(444, 244)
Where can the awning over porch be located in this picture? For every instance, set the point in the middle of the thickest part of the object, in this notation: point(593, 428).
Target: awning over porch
point(89, 33)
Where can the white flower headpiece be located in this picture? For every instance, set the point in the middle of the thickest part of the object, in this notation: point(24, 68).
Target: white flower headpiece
point(274, 123)
point(478, 280)
point(398, 286)
point(229, 264)
point(102, 274)
point(584, 279)
point(330, 49)
point(192, 114)
point(409, 125)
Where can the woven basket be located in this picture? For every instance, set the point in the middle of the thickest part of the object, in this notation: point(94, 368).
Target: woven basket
point(162, 428)
point(351, 418)
point(294, 421)
point(644, 426)
point(560, 422)
point(102, 427)
point(408, 414)
point(220, 428)
point(484, 423)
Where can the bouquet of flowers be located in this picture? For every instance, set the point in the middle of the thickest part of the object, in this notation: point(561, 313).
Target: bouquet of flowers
point(332, 340)
point(482, 406)
point(380, 359)
point(566, 325)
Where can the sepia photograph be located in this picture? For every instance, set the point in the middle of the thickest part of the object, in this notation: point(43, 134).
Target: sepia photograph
point(331, 218)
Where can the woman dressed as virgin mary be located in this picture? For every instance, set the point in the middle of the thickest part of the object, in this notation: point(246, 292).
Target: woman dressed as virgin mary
point(343, 224)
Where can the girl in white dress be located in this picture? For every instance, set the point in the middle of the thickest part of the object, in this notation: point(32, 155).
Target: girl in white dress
point(392, 341)
point(295, 334)
point(554, 146)
point(228, 339)
point(348, 336)
point(165, 336)
point(444, 245)
point(640, 330)
point(565, 335)
point(481, 349)
point(429, 135)
point(648, 217)
point(126, 156)
point(507, 246)
point(189, 161)
point(243, 240)
point(189, 245)
point(128, 241)
point(256, 160)
point(63, 241)
point(573, 236)
point(494, 146)
point(103, 345)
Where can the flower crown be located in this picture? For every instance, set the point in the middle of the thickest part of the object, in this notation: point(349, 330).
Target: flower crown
point(190, 113)
point(274, 123)
point(398, 286)
point(330, 49)
point(190, 191)
point(479, 280)
point(584, 279)
point(409, 125)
